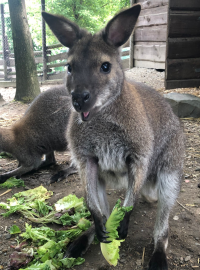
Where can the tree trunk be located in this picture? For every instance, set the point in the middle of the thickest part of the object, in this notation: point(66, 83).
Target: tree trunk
point(27, 85)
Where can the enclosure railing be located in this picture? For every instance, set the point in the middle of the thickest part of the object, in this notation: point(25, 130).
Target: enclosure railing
point(50, 63)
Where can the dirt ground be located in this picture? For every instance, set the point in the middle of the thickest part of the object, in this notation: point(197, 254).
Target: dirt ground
point(184, 239)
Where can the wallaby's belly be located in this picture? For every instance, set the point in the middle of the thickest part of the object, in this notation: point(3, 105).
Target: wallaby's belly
point(108, 145)
point(112, 166)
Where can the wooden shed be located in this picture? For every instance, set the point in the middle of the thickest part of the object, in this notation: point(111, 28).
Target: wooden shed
point(167, 36)
point(183, 44)
point(150, 34)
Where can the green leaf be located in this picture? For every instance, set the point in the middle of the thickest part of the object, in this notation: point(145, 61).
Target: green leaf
point(69, 202)
point(71, 234)
point(39, 193)
point(70, 262)
point(113, 221)
point(41, 266)
point(110, 251)
point(42, 233)
point(42, 207)
point(84, 224)
point(14, 229)
point(5, 155)
point(12, 182)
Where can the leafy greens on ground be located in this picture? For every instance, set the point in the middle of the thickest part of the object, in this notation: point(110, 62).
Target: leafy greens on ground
point(43, 247)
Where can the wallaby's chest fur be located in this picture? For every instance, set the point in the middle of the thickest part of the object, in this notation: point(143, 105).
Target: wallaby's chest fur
point(138, 123)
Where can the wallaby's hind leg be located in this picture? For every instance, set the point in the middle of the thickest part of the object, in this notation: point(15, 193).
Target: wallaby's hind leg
point(81, 244)
point(49, 160)
point(63, 174)
point(168, 189)
point(35, 162)
point(17, 172)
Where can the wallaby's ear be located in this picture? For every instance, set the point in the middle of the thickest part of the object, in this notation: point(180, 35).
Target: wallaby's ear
point(119, 29)
point(67, 32)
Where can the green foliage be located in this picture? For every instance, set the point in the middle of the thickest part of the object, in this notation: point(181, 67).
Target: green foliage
point(92, 15)
point(14, 229)
point(12, 182)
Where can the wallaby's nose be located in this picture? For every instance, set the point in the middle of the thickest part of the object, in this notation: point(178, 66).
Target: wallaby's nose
point(79, 100)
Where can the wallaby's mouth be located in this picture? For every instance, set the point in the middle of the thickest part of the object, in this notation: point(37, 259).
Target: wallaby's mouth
point(85, 116)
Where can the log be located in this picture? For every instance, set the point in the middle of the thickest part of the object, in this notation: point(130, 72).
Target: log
point(151, 33)
point(149, 64)
point(152, 3)
point(58, 45)
point(152, 19)
point(182, 69)
point(60, 56)
point(62, 64)
point(185, 4)
point(172, 84)
point(183, 48)
point(184, 24)
point(150, 52)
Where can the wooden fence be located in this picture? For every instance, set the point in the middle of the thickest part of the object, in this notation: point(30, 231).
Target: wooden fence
point(8, 75)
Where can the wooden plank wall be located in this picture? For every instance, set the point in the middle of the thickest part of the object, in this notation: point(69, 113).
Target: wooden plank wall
point(150, 34)
point(183, 44)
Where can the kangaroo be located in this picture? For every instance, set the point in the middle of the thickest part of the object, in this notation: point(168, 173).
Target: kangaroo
point(41, 131)
point(121, 133)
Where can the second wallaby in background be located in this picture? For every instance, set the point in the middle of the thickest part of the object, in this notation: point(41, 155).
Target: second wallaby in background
point(121, 133)
point(41, 131)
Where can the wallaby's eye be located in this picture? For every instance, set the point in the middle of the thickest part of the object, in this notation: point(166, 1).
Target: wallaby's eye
point(69, 69)
point(106, 67)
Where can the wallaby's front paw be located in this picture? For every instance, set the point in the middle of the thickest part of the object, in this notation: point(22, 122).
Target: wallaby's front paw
point(158, 261)
point(100, 230)
point(123, 227)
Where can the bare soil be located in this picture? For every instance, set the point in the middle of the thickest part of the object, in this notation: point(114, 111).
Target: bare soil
point(184, 238)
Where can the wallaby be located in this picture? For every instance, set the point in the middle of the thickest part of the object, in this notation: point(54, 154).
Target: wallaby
point(41, 131)
point(121, 133)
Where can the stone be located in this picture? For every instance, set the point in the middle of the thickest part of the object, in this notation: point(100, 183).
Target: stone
point(7, 236)
point(139, 262)
point(184, 105)
point(187, 258)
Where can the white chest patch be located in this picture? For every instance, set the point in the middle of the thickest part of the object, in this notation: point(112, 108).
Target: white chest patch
point(112, 166)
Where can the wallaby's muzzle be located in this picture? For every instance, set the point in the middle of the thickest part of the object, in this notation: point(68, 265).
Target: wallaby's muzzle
point(81, 103)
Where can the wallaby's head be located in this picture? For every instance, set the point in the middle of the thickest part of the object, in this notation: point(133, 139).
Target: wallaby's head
point(94, 76)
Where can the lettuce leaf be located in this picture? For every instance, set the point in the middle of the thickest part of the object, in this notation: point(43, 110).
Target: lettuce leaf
point(110, 251)
point(41, 266)
point(12, 182)
point(39, 193)
point(35, 234)
point(14, 229)
point(68, 202)
point(70, 262)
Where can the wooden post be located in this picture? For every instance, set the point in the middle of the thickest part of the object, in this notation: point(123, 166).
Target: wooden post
point(3, 42)
point(131, 42)
point(44, 47)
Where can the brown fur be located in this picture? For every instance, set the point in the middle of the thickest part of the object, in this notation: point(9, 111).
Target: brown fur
point(121, 133)
point(39, 132)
